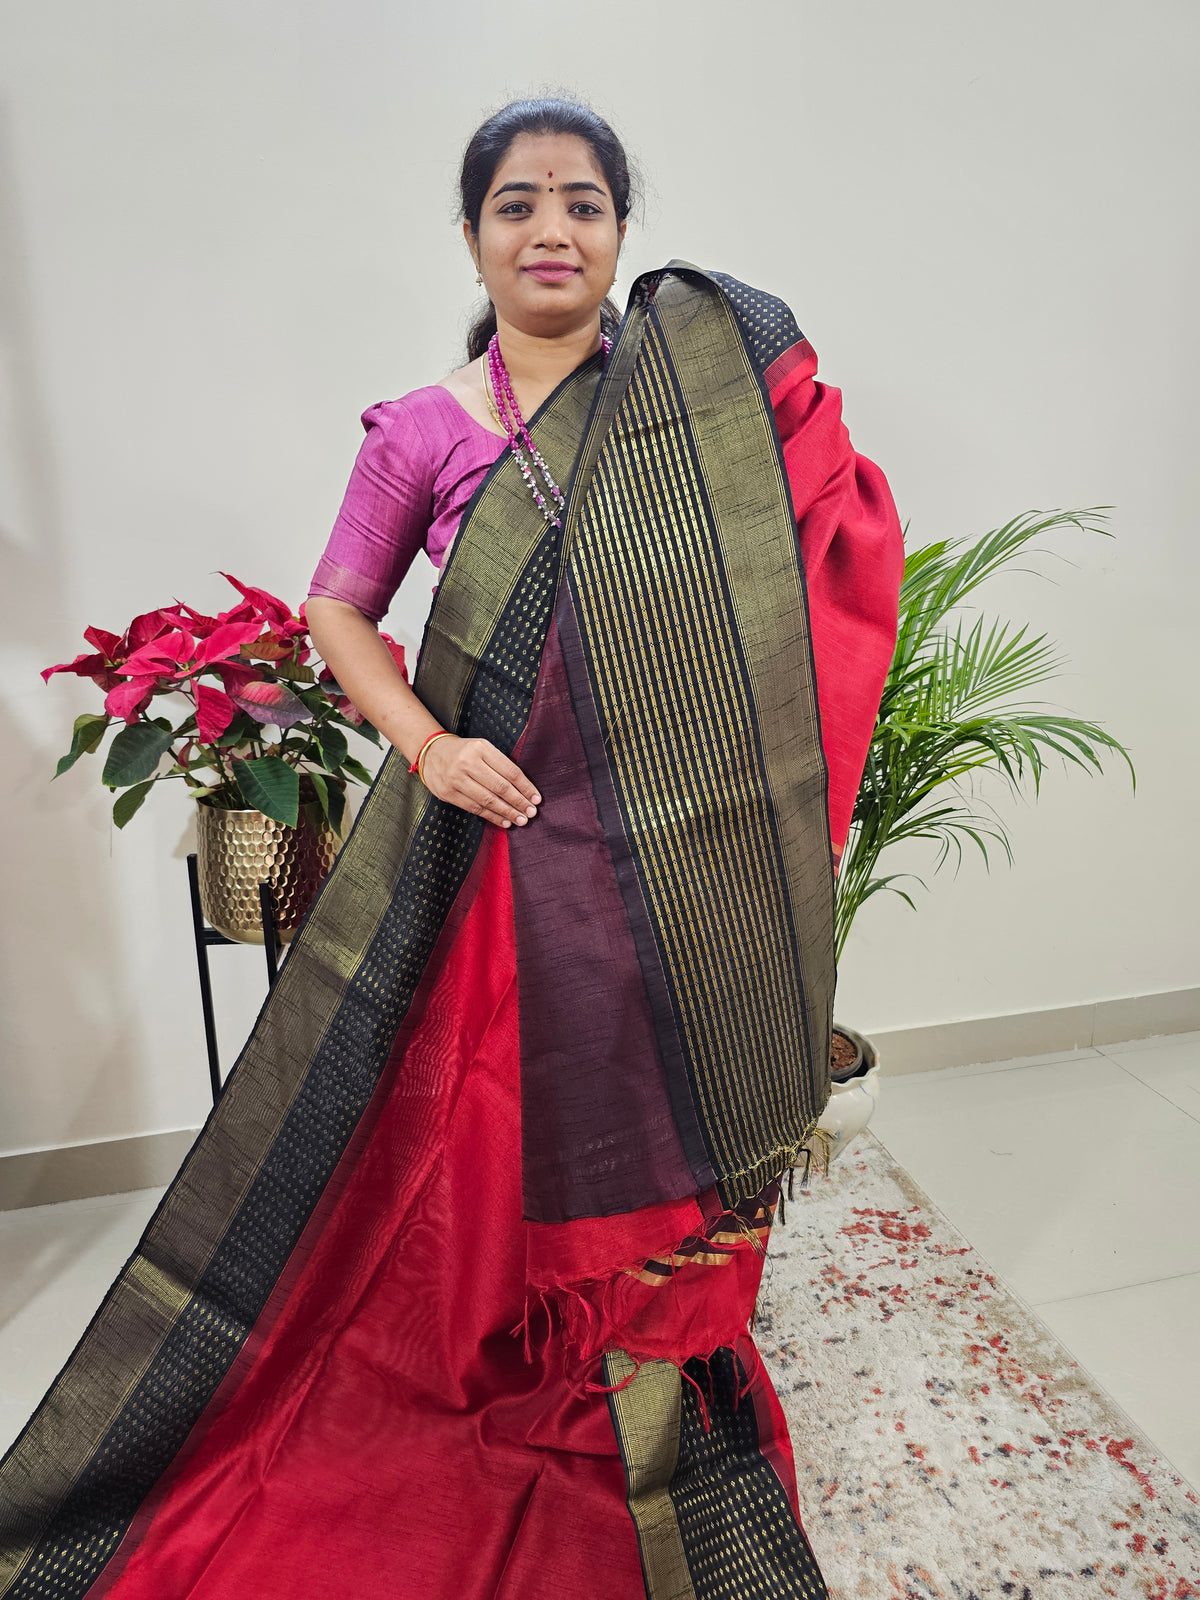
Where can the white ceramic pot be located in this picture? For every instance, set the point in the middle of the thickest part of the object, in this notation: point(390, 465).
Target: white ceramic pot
point(852, 1102)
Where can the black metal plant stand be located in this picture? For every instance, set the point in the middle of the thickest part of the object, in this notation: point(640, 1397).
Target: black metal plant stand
point(204, 937)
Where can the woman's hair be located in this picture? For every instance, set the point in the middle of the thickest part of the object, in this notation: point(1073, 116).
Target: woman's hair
point(491, 142)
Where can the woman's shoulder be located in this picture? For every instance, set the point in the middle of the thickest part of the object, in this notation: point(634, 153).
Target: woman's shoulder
point(409, 412)
point(431, 419)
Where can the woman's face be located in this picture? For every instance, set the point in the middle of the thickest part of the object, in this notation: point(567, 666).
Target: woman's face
point(548, 235)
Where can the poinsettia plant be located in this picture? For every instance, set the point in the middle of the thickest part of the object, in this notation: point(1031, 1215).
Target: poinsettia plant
point(241, 673)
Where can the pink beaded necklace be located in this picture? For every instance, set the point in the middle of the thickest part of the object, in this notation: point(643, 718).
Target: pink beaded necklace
point(518, 433)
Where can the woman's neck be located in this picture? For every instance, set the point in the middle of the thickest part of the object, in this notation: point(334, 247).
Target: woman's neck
point(538, 365)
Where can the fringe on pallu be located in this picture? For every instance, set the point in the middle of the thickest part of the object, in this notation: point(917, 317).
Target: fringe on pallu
point(598, 1313)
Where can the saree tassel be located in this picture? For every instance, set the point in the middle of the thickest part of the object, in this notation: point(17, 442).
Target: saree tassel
point(752, 1368)
point(589, 1387)
point(823, 1149)
point(783, 1204)
point(700, 1400)
point(522, 1328)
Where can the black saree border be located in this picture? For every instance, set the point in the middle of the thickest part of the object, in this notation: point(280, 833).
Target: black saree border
point(645, 1416)
point(712, 1516)
point(739, 1533)
point(797, 769)
point(745, 1149)
point(172, 1325)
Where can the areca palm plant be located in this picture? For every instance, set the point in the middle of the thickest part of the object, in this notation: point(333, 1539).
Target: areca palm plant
point(953, 707)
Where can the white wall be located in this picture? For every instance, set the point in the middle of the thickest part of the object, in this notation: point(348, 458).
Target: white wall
point(227, 228)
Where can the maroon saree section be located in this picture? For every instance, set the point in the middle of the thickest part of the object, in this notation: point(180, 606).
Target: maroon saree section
point(390, 1438)
point(597, 1131)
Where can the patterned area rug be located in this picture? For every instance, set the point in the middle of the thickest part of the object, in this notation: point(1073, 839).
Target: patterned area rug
point(947, 1445)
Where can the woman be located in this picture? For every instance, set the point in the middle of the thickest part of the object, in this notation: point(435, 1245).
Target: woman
point(451, 1297)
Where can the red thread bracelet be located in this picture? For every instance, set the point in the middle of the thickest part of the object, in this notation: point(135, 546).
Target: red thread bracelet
point(416, 766)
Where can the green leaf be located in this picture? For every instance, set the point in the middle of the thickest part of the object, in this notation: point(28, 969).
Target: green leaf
point(332, 797)
point(269, 785)
point(238, 732)
point(332, 744)
point(367, 729)
point(948, 718)
point(353, 768)
point(135, 753)
point(126, 804)
point(89, 730)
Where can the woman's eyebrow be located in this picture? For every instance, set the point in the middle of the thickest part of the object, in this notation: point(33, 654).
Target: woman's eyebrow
point(522, 187)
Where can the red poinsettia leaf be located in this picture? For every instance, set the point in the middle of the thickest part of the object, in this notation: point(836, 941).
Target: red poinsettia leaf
point(345, 707)
point(188, 617)
point(84, 666)
point(270, 605)
point(214, 712)
point(130, 698)
point(104, 641)
point(271, 702)
point(234, 674)
point(144, 628)
point(396, 651)
point(226, 641)
point(164, 656)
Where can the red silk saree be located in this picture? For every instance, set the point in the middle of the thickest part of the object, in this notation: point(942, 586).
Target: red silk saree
point(452, 1295)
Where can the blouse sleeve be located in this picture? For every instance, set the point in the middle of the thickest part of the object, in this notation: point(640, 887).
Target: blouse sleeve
point(852, 548)
point(385, 514)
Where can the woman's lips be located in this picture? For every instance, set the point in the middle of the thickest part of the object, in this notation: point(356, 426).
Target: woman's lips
point(550, 274)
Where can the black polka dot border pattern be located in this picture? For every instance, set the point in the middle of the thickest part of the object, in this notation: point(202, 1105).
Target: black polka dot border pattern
point(767, 323)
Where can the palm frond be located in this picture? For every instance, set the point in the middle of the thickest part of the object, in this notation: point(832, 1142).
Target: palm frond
point(949, 710)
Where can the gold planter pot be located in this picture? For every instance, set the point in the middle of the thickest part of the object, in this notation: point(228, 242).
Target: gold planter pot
point(238, 850)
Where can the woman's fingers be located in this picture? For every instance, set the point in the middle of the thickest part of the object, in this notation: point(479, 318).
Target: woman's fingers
point(479, 798)
point(512, 774)
point(505, 792)
point(473, 774)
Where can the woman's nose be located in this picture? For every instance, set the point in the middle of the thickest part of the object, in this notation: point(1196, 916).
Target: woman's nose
point(552, 227)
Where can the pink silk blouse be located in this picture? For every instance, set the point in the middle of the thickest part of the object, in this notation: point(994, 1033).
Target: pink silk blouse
point(420, 463)
point(424, 457)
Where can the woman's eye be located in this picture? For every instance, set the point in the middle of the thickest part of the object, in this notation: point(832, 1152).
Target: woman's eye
point(514, 205)
point(587, 206)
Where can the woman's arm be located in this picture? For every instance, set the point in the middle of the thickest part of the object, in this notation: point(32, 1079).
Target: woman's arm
point(471, 773)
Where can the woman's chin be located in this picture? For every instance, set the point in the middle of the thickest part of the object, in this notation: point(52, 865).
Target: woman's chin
point(569, 300)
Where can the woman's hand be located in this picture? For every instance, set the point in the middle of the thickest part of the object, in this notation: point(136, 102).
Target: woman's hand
point(473, 774)
point(470, 773)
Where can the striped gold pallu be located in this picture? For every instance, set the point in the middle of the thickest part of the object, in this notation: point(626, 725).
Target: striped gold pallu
point(655, 650)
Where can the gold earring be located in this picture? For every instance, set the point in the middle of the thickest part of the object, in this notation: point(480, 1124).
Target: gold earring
point(479, 277)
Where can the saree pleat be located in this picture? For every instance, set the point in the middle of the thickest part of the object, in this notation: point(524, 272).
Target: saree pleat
point(483, 1205)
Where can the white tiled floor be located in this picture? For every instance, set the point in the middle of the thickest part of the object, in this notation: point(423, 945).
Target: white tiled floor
point(1076, 1176)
